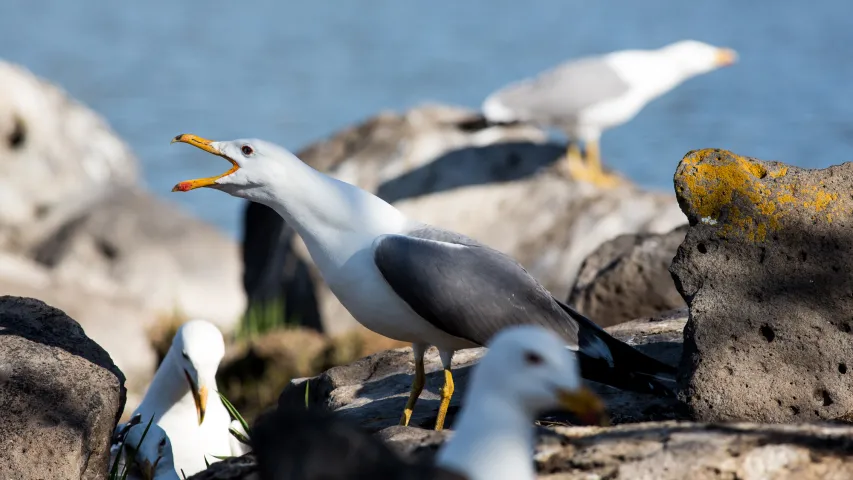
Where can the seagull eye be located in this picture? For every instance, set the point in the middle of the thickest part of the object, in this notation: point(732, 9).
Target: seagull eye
point(162, 442)
point(533, 358)
point(247, 150)
point(184, 354)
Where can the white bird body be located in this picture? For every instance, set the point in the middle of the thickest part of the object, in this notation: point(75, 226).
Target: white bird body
point(632, 78)
point(192, 360)
point(345, 256)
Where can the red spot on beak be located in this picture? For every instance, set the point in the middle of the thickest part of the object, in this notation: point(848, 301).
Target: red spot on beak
point(183, 186)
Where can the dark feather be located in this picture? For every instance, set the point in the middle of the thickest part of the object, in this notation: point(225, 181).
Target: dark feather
point(472, 291)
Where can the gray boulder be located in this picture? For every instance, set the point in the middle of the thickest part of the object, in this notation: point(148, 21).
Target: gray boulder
point(60, 395)
point(671, 450)
point(499, 185)
point(765, 269)
point(373, 390)
point(628, 277)
point(78, 231)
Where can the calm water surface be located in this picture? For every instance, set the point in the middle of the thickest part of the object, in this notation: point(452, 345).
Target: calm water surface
point(293, 72)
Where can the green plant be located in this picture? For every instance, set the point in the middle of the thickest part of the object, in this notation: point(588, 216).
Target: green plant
point(235, 415)
point(262, 317)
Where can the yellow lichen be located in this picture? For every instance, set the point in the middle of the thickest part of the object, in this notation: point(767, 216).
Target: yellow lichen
point(713, 179)
point(780, 173)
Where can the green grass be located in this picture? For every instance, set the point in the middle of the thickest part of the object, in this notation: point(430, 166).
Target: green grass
point(263, 317)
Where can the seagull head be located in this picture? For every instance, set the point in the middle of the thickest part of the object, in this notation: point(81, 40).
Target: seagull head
point(197, 349)
point(150, 450)
point(694, 57)
point(254, 164)
point(532, 368)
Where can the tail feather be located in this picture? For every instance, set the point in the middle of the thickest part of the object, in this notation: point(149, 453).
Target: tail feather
point(610, 361)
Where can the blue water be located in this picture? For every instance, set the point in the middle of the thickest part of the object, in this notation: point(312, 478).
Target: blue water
point(294, 72)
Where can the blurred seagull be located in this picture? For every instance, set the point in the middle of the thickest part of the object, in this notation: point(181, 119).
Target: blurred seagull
point(586, 96)
point(177, 399)
point(526, 371)
point(414, 282)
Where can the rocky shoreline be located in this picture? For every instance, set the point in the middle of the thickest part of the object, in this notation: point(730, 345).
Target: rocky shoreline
point(739, 279)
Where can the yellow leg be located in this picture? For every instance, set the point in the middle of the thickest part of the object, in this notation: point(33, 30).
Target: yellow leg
point(417, 388)
point(446, 393)
point(591, 170)
point(574, 159)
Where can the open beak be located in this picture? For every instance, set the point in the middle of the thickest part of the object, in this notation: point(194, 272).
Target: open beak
point(199, 396)
point(585, 404)
point(726, 57)
point(207, 146)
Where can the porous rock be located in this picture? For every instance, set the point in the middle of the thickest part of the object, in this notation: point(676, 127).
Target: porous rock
point(628, 277)
point(373, 390)
point(765, 269)
point(672, 450)
point(500, 185)
point(60, 395)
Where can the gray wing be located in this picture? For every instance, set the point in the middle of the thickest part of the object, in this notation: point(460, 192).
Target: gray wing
point(465, 288)
point(559, 95)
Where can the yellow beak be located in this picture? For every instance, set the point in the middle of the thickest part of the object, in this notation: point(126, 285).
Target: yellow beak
point(726, 57)
point(207, 146)
point(199, 396)
point(586, 405)
point(147, 470)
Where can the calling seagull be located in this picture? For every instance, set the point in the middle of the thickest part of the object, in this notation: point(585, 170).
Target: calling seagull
point(411, 281)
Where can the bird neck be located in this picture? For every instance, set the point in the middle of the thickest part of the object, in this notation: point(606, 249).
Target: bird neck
point(493, 439)
point(329, 215)
point(171, 387)
point(166, 469)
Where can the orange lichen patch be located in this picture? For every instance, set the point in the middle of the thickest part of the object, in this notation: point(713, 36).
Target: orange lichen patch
point(711, 181)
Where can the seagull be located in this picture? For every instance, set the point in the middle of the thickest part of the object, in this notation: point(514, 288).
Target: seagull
point(414, 282)
point(586, 96)
point(151, 451)
point(177, 399)
point(526, 371)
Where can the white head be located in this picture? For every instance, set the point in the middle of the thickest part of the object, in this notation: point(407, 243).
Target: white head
point(196, 350)
point(532, 368)
point(151, 453)
point(694, 57)
point(254, 163)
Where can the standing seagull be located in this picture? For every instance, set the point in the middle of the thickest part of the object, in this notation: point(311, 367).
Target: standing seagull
point(410, 281)
point(177, 399)
point(584, 97)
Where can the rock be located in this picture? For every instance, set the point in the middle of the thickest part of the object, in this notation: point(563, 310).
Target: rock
point(765, 269)
point(628, 277)
point(372, 391)
point(77, 230)
point(433, 170)
point(61, 395)
point(672, 450)
point(58, 159)
point(254, 371)
point(136, 245)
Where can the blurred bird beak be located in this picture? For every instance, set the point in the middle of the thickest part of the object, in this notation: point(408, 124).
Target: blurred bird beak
point(148, 470)
point(585, 404)
point(726, 57)
point(207, 146)
point(199, 396)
